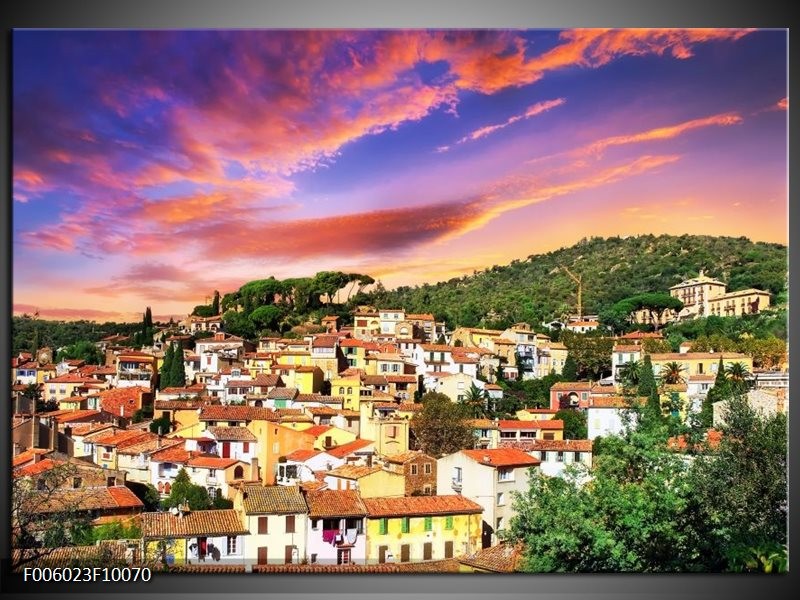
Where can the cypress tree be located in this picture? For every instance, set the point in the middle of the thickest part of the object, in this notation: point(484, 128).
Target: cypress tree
point(570, 369)
point(166, 368)
point(177, 373)
point(647, 380)
point(215, 303)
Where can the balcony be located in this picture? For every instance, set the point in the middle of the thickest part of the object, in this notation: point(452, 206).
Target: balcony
point(457, 485)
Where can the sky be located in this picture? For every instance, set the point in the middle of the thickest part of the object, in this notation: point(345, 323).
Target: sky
point(151, 168)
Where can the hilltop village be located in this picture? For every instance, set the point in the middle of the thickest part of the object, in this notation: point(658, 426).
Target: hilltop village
point(333, 450)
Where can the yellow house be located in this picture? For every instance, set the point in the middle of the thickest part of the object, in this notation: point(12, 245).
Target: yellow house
point(348, 388)
point(667, 394)
point(106, 447)
point(181, 413)
point(258, 362)
point(371, 482)
point(355, 352)
point(699, 363)
point(381, 422)
point(420, 528)
point(307, 379)
point(470, 336)
point(64, 387)
point(535, 414)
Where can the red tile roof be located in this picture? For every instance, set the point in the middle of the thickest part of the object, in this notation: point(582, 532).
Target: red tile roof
point(412, 506)
point(573, 385)
point(209, 461)
point(560, 445)
point(437, 348)
point(324, 341)
point(218, 412)
point(318, 430)
point(349, 448)
point(335, 503)
point(502, 457)
point(128, 398)
point(27, 456)
point(237, 434)
point(207, 523)
point(503, 558)
point(627, 348)
point(302, 455)
point(121, 437)
point(352, 471)
point(614, 401)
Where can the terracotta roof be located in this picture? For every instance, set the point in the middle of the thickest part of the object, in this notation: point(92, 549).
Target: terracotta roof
point(129, 398)
point(573, 385)
point(701, 378)
point(216, 412)
point(502, 457)
point(196, 522)
point(77, 415)
point(679, 357)
point(410, 406)
point(419, 317)
point(713, 437)
point(238, 434)
point(420, 506)
point(437, 347)
point(178, 404)
point(324, 341)
point(639, 335)
point(560, 445)
point(307, 369)
point(335, 503)
point(540, 411)
point(627, 348)
point(515, 425)
point(247, 383)
point(403, 457)
point(322, 411)
point(73, 378)
point(483, 423)
point(319, 398)
point(89, 498)
point(283, 393)
point(459, 358)
point(27, 456)
point(120, 437)
point(583, 324)
point(211, 461)
point(266, 380)
point(349, 448)
point(146, 445)
point(176, 453)
point(302, 455)
point(353, 471)
point(185, 391)
point(275, 500)
point(503, 558)
point(492, 386)
point(318, 430)
point(401, 378)
point(112, 553)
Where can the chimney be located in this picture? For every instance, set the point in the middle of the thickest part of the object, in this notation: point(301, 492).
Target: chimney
point(254, 474)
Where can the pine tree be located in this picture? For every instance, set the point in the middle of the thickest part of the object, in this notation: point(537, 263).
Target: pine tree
point(166, 368)
point(148, 318)
point(721, 390)
point(215, 303)
point(177, 371)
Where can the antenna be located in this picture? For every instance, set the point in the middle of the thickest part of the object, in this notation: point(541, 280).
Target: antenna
point(577, 279)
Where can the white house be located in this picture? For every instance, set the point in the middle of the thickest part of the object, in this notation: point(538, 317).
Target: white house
point(488, 477)
point(608, 415)
point(336, 528)
point(623, 354)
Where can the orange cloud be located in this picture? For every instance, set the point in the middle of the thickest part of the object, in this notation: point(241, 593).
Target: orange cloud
point(532, 111)
point(783, 104)
point(75, 314)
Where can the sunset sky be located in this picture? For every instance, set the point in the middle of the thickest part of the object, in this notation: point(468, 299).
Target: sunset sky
point(151, 168)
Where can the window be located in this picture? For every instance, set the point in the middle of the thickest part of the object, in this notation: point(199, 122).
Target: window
point(559, 456)
point(426, 490)
point(343, 556)
point(448, 549)
point(505, 474)
point(263, 525)
point(232, 543)
point(76, 482)
point(313, 557)
point(428, 523)
point(457, 474)
point(289, 523)
point(427, 468)
point(406, 525)
point(384, 526)
point(315, 524)
point(349, 390)
point(427, 551)
point(414, 469)
point(499, 523)
point(549, 435)
point(501, 499)
point(245, 447)
point(448, 522)
point(213, 493)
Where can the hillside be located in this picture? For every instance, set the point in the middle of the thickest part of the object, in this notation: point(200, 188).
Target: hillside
point(536, 289)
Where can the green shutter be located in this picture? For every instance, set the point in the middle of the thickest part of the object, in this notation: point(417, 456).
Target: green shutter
point(428, 523)
point(448, 522)
point(406, 525)
point(384, 526)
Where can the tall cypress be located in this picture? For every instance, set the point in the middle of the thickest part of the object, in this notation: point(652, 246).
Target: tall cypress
point(647, 380)
point(166, 368)
point(177, 373)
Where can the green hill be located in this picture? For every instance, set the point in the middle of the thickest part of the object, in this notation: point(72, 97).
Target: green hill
point(537, 289)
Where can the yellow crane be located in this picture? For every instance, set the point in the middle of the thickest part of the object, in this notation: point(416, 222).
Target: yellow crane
point(577, 279)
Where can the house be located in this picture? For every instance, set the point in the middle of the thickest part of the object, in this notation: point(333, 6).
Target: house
point(381, 422)
point(135, 369)
point(583, 326)
point(696, 294)
point(302, 466)
point(623, 354)
point(66, 387)
point(125, 401)
point(557, 455)
point(277, 519)
point(370, 481)
point(767, 403)
point(421, 528)
point(419, 471)
point(327, 436)
point(336, 527)
point(487, 433)
point(456, 386)
point(182, 414)
point(514, 430)
point(206, 470)
point(571, 394)
point(699, 363)
point(610, 415)
point(360, 451)
point(133, 456)
point(106, 447)
point(194, 537)
point(238, 443)
point(327, 356)
point(488, 477)
point(536, 414)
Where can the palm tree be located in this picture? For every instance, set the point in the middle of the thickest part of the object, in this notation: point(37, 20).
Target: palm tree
point(475, 401)
point(737, 374)
point(629, 373)
point(671, 373)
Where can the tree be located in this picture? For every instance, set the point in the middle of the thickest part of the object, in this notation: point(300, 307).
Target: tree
point(215, 303)
point(672, 373)
point(82, 350)
point(183, 491)
point(162, 425)
point(647, 381)
point(266, 317)
point(737, 374)
point(721, 390)
point(570, 369)
point(630, 373)
point(740, 492)
point(575, 424)
point(592, 354)
point(655, 303)
point(164, 375)
point(441, 426)
point(475, 402)
point(177, 370)
point(35, 530)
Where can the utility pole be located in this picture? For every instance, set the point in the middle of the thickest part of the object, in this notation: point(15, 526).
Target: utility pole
point(577, 279)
